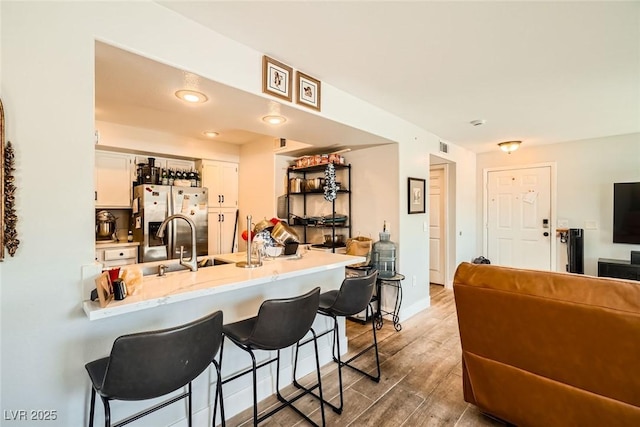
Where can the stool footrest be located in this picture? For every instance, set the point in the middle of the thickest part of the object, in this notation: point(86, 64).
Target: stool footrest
point(289, 403)
point(139, 415)
point(310, 391)
point(246, 371)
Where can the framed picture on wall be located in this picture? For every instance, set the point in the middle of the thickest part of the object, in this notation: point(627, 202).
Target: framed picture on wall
point(308, 91)
point(416, 196)
point(276, 78)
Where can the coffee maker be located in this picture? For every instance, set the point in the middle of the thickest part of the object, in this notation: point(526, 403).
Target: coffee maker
point(105, 227)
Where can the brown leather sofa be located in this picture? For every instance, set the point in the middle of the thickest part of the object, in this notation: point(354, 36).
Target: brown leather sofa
point(549, 349)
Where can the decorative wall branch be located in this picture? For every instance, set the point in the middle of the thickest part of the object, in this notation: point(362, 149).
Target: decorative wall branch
point(1, 181)
point(10, 218)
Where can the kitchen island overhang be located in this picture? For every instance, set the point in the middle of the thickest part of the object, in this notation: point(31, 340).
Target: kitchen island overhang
point(176, 287)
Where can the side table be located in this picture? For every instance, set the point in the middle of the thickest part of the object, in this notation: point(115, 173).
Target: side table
point(395, 314)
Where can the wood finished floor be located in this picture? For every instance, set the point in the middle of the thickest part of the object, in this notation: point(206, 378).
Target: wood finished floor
point(421, 383)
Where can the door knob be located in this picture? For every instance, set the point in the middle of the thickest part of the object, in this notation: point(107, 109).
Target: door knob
point(545, 234)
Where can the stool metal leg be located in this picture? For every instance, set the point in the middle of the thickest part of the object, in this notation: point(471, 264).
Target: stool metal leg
point(218, 390)
point(93, 405)
point(254, 368)
point(107, 412)
point(255, 388)
point(337, 359)
point(189, 420)
point(218, 366)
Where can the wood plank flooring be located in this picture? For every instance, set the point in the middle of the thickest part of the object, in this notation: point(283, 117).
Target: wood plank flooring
point(421, 382)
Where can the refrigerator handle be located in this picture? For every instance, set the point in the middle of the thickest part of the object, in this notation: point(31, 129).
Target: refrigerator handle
point(170, 227)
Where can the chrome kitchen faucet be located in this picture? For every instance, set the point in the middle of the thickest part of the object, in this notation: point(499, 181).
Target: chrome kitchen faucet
point(193, 261)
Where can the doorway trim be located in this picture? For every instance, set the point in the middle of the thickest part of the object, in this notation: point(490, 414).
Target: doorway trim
point(445, 200)
point(553, 195)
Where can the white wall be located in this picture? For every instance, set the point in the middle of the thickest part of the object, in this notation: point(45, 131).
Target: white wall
point(134, 139)
point(257, 183)
point(586, 171)
point(47, 88)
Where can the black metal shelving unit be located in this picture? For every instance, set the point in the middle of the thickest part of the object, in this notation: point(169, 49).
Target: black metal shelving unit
point(317, 171)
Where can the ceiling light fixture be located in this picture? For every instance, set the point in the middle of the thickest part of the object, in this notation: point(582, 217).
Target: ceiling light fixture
point(478, 122)
point(509, 146)
point(274, 117)
point(210, 134)
point(192, 96)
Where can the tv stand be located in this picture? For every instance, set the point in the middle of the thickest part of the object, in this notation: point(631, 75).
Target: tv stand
point(618, 268)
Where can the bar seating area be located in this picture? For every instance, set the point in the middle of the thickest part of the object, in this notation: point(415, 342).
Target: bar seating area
point(149, 365)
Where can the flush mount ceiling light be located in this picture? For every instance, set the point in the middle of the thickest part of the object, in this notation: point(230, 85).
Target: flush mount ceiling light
point(192, 96)
point(274, 117)
point(509, 146)
point(478, 122)
point(210, 134)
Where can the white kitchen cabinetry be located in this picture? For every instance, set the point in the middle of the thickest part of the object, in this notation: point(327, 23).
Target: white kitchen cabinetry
point(113, 180)
point(117, 254)
point(222, 227)
point(221, 178)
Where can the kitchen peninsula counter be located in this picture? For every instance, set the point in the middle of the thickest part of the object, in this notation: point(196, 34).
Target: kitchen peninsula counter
point(252, 284)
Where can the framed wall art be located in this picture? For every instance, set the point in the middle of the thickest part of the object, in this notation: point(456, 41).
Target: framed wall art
point(276, 78)
point(308, 91)
point(416, 196)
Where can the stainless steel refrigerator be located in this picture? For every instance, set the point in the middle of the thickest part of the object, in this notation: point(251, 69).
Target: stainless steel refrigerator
point(152, 204)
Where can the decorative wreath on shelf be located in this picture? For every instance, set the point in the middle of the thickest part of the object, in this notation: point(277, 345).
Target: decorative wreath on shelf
point(330, 188)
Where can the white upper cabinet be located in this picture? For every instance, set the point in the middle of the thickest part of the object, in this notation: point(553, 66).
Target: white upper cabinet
point(113, 179)
point(166, 163)
point(187, 165)
point(221, 178)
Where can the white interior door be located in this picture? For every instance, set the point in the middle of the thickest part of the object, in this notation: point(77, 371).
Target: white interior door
point(518, 216)
point(436, 225)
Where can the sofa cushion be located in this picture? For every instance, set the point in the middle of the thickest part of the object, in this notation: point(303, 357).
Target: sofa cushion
point(535, 344)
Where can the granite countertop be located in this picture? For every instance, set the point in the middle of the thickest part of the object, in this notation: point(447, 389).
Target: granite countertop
point(186, 285)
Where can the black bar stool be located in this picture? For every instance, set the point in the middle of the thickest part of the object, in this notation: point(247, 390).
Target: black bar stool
point(280, 323)
point(152, 364)
point(353, 297)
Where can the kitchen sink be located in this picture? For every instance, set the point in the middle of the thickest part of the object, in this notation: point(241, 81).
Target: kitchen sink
point(150, 269)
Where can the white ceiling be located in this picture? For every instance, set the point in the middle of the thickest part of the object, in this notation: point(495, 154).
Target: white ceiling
point(137, 91)
point(542, 72)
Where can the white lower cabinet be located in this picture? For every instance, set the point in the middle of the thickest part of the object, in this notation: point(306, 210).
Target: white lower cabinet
point(222, 224)
point(116, 255)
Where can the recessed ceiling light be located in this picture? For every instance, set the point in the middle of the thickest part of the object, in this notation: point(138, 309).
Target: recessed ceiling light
point(478, 122)
point(210, 134)
point(274, 120)
point(191, 96)
point(274, 117)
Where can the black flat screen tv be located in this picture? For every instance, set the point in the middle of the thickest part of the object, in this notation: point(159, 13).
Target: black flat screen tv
point(626, 212)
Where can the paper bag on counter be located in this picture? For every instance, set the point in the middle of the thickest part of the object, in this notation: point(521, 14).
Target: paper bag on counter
point(360, 246)
point(132, 276)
